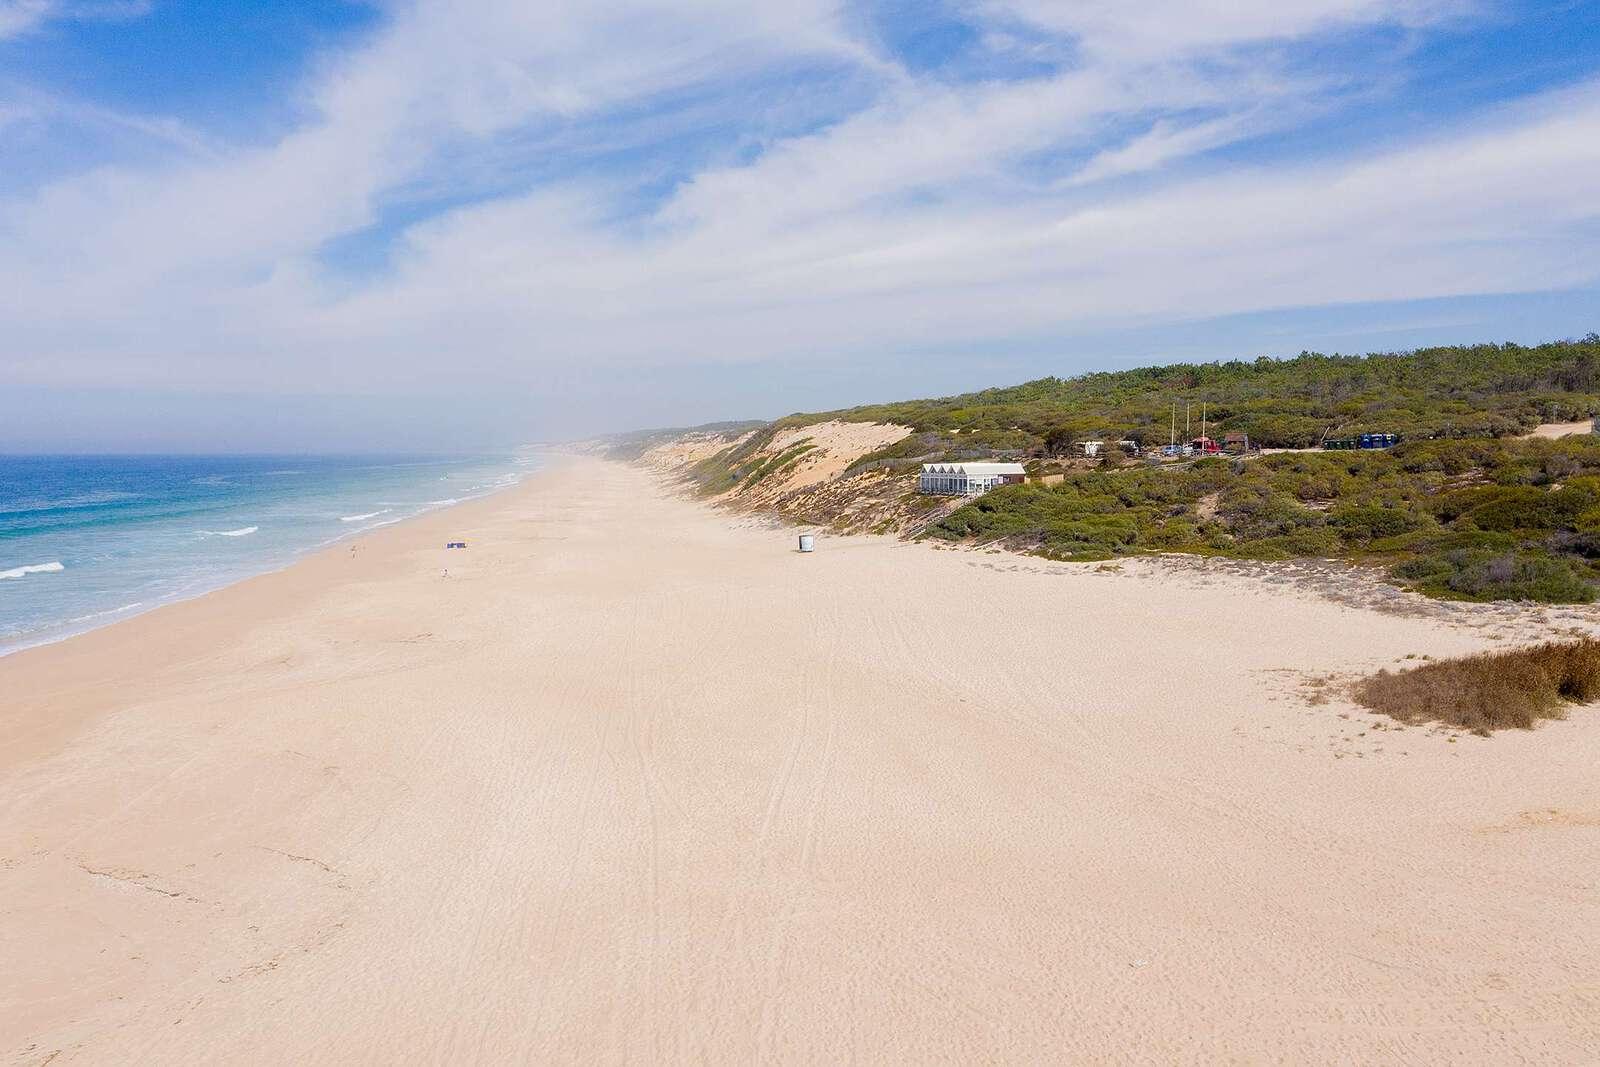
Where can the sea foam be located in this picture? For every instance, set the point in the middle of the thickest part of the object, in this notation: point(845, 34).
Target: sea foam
point(104, 614)
point(133, 532)
point(33, 568)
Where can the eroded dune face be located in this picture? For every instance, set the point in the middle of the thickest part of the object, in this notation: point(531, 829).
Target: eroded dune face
point(676, 456)
point(834, 446)
point(796, 471)
point(823, 451)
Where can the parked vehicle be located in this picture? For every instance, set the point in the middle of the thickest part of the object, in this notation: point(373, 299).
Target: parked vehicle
point(1366, 440)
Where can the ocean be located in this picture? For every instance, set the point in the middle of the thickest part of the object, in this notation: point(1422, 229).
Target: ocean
point(90, 540)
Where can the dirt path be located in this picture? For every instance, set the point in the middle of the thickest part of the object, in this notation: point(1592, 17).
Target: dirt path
point(1562, 429)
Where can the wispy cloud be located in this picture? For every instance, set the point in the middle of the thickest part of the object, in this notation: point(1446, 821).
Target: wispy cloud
point(1174, 28)
point(679, 182)
point(22, 104)
point(18, 17)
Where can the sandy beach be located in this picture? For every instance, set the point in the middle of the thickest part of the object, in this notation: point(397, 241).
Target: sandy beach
point(636, 782)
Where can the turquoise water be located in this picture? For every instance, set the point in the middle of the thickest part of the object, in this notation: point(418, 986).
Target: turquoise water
point(90, 540)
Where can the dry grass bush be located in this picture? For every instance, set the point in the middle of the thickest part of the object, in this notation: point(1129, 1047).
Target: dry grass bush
point(1491, 690)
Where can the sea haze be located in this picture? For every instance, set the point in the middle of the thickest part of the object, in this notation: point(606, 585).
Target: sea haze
point(90, 540)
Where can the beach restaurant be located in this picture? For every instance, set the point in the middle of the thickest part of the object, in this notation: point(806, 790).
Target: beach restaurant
point(967, 479)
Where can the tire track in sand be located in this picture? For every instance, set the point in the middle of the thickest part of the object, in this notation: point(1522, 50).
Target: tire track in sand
point(820, 694)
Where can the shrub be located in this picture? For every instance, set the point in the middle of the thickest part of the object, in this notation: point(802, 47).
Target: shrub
point(1285, 431)
point(1487, 574)
point(1585, 544)
point(1257, 512)
point(1515, 507)
point(1370, 522)
point(1313, 542)
point(1491, 690)
point(1518, 508)
point(1452, 456)
point(1102, 532)
point(1172, 533)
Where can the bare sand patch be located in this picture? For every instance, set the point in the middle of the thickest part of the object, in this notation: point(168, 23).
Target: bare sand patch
point(684, 451)
point(828, 449)
point(1562, 429)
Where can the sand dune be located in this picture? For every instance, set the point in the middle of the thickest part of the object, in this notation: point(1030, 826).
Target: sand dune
point(637, 782)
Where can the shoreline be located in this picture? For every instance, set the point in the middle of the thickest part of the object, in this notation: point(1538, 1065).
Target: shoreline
point(165, 630)
point(7, 650)
point(639, 781)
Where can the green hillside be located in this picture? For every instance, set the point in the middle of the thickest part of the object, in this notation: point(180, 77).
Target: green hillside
point(1463, 508)
point(1468, 391)
point(1467, 519)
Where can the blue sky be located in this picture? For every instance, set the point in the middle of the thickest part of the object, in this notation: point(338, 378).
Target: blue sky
point(318, 224)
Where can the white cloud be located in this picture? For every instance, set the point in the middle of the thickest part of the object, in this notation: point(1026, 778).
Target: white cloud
point(540, 277)
point(441, 72)
point(1172, 27)
point(933, 215)
point(1166, 141)
point(18, 17)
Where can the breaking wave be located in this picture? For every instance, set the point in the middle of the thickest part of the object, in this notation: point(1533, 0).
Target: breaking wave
point(33, 568)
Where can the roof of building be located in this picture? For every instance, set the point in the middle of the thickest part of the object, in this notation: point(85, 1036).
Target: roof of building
point(973, 470)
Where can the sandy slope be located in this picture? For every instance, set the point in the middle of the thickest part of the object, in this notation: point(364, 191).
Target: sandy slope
point(1562, 429)
point(835, 445)
point(636, 783)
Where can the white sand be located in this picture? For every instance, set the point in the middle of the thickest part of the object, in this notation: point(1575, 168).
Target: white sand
point(637, 783)
point(1562, 429)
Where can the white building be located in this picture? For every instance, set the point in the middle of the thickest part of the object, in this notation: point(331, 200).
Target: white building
point(1091, 449)
point(967, 479)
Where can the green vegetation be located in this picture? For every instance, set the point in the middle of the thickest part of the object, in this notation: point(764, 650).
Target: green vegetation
point(1464, 519)
point(778, 463)
point(1468, 391)
point(1492, 690)
point(742, 466)
point(1462, 508)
